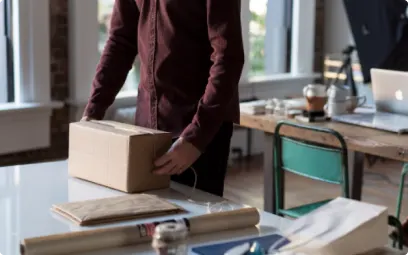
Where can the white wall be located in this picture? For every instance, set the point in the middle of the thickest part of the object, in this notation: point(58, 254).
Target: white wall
point(337, 32)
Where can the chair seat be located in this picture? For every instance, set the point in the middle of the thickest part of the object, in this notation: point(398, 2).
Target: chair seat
point(298, 211)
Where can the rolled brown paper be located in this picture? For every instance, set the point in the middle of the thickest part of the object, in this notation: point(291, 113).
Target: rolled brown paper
point(85, 241)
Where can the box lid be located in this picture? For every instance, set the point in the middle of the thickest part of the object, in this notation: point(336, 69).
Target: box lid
point(118, 128)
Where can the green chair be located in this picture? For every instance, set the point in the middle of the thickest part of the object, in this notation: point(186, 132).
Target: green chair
point(397, 236)
point(318, 162)
point(401, 190)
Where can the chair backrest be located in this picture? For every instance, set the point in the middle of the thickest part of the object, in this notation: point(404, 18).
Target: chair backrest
point(312, 160)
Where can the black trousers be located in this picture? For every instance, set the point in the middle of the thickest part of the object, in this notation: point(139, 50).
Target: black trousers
point(211, 166)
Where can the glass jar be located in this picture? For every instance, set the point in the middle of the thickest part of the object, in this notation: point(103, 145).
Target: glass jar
point(170, 239)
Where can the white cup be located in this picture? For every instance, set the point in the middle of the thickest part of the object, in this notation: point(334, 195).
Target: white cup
point(337, 93)
point(335, 108)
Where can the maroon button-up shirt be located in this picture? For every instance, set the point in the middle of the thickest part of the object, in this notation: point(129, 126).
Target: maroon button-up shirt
point(191, 55)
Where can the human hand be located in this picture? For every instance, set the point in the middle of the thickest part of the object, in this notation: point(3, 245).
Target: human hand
point(86, 118)
point(180, 156)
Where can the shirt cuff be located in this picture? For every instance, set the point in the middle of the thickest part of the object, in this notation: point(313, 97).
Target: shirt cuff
point(198, 137)
point(94, 111)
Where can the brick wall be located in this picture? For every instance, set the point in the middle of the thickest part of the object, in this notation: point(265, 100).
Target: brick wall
point(59, 91)
point(59, 83)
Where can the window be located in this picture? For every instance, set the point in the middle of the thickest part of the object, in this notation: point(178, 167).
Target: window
point(6, 80)
point(6, 63)
point(268, 36)
point(8, 28)
point(264, 58)
point(278, 38)
point(257, 32)
point(25, 94)
point(104, 12)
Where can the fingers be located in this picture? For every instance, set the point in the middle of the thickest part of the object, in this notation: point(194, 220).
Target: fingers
point(163, 159)
point(179, 157)
point(166, 169)
point(165, 164)
point(169, 165)
point(86, 118)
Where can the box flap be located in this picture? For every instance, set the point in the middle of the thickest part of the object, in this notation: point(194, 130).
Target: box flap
point(126, 126)
point(118, 128)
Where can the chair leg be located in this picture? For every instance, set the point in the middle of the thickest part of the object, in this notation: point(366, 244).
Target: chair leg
point(397, 236)
point(401, 191)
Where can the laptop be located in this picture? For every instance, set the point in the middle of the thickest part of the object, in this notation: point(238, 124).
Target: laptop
point(390, 92)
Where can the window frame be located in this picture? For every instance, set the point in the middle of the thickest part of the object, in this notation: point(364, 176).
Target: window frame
point(4, 81)
point(31, 52)
point(9, 50)
point(278, 33)
point(84, 55)
point(26, 120)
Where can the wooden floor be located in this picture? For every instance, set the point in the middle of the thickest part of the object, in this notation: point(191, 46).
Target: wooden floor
point(244, 184)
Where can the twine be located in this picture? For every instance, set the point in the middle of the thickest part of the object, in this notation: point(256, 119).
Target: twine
point(211, 206)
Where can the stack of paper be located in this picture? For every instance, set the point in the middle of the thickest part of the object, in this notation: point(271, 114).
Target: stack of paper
point(341, 227)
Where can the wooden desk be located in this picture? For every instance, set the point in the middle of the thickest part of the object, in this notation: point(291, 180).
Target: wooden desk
point(360, 141)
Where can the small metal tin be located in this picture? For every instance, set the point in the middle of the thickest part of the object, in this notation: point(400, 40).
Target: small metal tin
point(170, 239)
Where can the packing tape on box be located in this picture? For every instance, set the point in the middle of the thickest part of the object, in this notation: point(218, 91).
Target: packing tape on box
point(85, 241)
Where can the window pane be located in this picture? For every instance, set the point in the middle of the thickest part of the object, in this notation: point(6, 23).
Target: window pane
point(3, 52)
point(269, 36)
point(257, 31)
point(104, 12)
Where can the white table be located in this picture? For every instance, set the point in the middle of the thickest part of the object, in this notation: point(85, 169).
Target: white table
point(27, 193)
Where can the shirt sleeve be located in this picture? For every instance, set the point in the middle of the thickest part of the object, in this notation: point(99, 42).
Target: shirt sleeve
point(225, 35)
point(117, 58)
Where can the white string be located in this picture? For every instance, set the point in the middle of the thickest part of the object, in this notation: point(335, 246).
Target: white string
point(211, 207)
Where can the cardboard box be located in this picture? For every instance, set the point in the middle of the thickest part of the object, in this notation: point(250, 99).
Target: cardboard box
point(117, 155)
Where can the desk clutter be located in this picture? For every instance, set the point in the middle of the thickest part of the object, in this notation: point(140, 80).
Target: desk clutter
point(341, 227)
point(274, 106)
point(113, 237)
point(319, 103)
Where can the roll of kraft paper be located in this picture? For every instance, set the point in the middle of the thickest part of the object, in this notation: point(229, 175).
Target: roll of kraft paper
point(85, 241)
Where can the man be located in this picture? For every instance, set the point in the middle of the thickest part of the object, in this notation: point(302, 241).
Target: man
point(191, 56)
